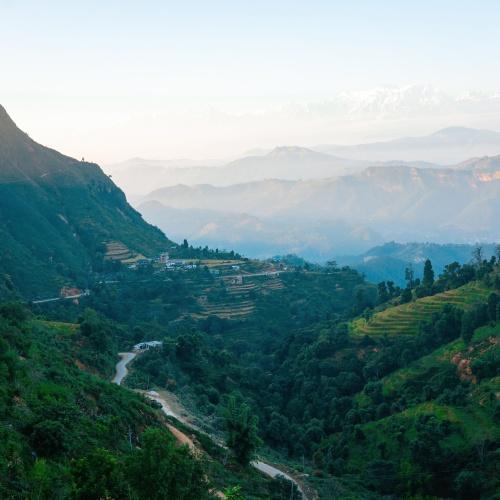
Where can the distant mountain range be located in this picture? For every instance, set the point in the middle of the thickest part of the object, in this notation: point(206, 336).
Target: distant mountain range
point(290, 163)
point(447, 146)
point(459, 204)
point(56, 213)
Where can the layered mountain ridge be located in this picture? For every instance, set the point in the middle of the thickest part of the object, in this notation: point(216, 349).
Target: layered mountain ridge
point(392, 202)
point(447, 146)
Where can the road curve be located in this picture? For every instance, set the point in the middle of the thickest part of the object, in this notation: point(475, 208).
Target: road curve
point(265, 468)
point(273, 472)
point(121, 366)
point(165, 407)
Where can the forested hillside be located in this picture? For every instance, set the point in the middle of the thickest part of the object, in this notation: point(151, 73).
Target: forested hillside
point(67, 433)
point(358, 390)
point(366, 399)
point(57, 214)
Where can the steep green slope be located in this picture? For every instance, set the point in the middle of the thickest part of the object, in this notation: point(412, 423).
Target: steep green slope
point(410, 409)
point(67, 433)
point(436, 429)
point(56, 214)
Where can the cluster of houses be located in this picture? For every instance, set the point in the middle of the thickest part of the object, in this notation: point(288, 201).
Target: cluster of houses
point(140, 264)
point(216, 272)
point(164, 261)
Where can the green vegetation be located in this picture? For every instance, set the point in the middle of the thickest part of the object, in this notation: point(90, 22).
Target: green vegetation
point(187, 251)
point(293, 376)
point(407, 318)
point(56, 213)
point(371, 390)
point(241, 431)
point(67, 433)
point(410, 405)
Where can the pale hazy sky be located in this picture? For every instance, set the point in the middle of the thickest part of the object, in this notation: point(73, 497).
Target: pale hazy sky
point(161, 79)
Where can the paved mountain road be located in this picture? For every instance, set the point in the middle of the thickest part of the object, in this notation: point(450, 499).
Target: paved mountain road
point(121, 366)
point(69, 297)
point(265, 468)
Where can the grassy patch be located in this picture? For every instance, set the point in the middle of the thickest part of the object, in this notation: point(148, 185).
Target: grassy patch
point(486, 332)
point(437, 358)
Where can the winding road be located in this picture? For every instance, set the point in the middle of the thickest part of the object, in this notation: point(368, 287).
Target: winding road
point(267, 469)
point(121, 366)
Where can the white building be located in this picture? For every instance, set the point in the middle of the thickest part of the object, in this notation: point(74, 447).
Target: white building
point(144, 346)
point(163, 258)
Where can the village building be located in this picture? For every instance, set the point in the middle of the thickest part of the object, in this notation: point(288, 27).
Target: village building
point(163, 258)
point(144, 346)
point(67, 291)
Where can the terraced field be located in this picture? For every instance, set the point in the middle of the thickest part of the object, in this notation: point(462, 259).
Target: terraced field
point(238, 301)
point(115, 250)
point(273, 284)
point(226, 310)
point(407, 318)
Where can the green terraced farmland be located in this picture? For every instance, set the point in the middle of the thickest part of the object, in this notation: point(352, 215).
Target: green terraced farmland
point(407, 318)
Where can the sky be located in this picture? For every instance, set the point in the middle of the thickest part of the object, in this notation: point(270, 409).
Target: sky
point(110, 80)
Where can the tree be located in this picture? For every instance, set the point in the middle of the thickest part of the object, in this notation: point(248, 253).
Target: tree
point(383, 294)
point(428, 279)
point(15, 312)
point(98, 475)
point(380, 475)
point(410, 277)
point(468, 484)
point(468, 326)
point(48, 437)
point(234, 493)
point(477, 255)
point(160, 469)
point(241, 427)
point(277, 428)
point(96, 328)
point(45, 480)
point(493, 301)
point(406, 296)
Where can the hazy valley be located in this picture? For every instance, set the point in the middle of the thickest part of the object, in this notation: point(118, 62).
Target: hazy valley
point(249, 251)
point(273, 378)
point(323, 218)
